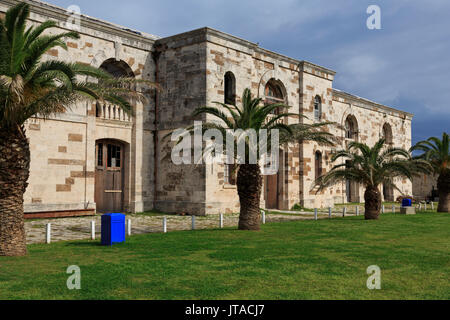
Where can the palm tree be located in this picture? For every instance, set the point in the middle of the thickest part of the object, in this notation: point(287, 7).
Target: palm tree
point(255, 115)
point(31, 88)
point(437, 153)
point(371, 167)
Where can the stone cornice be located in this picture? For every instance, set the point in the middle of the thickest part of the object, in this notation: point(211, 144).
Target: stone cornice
point(368, 104)
point(208, 34)
point(60, 14)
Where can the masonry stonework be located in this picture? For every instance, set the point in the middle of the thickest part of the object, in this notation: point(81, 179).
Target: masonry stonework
point(190, 68)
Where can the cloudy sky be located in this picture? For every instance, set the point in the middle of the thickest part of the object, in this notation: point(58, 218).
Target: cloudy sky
point(405, 65)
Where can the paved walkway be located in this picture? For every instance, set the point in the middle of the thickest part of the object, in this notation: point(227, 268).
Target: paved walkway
point(66, 229)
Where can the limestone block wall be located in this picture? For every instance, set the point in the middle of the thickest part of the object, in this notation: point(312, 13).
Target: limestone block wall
point(63, 148)
point(190, 68)
point(58, 180)
point(423, 186)
point(370, 118)
point(315, 81)
point(252, 68)
point(182, 76)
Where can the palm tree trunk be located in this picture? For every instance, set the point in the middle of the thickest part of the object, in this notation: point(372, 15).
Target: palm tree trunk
point(372, 196)
point(249, 184)
point(14, 173)
point(444, 191)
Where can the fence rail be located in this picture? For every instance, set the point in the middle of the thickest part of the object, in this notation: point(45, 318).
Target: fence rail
point(85, 228)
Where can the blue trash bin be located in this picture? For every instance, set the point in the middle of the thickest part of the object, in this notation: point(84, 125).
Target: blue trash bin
point(407, 203)
point(113, 228)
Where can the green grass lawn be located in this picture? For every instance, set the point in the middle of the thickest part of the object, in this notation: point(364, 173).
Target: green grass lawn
point(294, 260)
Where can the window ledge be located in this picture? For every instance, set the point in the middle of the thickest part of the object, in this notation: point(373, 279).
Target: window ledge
point(229, 186)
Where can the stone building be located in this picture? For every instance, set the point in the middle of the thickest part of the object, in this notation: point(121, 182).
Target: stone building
point(94, 157)
point(425, 187)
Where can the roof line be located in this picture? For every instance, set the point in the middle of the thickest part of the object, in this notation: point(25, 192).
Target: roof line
point(357, 98)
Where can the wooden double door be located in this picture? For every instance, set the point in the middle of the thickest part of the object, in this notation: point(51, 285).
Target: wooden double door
point(109, 176)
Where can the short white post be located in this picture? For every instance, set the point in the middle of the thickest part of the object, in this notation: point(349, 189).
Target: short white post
point(48, 233)
point(425, 206)
point(193, 222)
point(330, 213)
point(93, 230)
point(221, 221)
point(315, 214)
point(129, 227)
point(393, 209)
point(344, 212)
point(165, 225)
point(357, 210)
point(383, 209)
point(432, 205)
point(263, 217)
point(420, 206)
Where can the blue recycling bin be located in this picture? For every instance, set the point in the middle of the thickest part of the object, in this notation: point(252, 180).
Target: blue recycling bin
point(113, 228)
point(406, 203)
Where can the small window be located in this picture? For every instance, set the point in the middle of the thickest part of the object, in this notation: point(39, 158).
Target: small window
point(230, 174)
point(230, 88)
point(318, 164)
point(100, 155)
point(114, 156)
point(387, 134)
point(317, 108)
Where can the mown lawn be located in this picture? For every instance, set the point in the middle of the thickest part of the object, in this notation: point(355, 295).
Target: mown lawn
point(295, 260)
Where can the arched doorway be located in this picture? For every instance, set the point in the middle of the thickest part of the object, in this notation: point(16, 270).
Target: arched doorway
point(109, 176)
point(274, 93)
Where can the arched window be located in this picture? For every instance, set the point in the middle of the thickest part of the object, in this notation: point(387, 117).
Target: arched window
point(351, 128)
point(118, 69)
point(230, 88)
point(318, 165)
point(274, 93)
point(387, 134)
point(317, 108)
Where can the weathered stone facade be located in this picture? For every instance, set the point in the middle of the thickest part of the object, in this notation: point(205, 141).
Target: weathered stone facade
point(425, 187)
point(190, 68)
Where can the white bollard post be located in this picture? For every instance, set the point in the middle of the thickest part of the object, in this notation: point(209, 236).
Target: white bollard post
point(393, 209)
point(330, 213)
point(432, 206)
point(48, 233)
point(357, 210)
point(420, 206)
point(315, 214)
point(263, 217)
point(193, 222)
point(221, 221)
point(165, 225)
point(129, 227)
point(92, 230)
point(425, 206)
point(383, 209)
point(344, 212)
